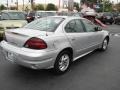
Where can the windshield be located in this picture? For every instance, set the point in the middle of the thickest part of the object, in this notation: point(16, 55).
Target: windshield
point(13, 16)
point(51, 13)
point(45, 14)
point(45, 24)
point(41, 14)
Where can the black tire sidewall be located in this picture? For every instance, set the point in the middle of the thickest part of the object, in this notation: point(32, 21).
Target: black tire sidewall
point(56, 65)
point(103, 44)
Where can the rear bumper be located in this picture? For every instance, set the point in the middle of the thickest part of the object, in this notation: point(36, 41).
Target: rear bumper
point(28, 58)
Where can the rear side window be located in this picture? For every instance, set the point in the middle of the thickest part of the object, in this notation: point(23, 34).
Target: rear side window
point(74, 26)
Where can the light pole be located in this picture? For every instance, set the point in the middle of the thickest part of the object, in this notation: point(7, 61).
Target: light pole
point(17, 4)
point(23, 5)
point(7, 4)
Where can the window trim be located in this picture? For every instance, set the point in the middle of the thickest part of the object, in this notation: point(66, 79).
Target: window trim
point(85, 26)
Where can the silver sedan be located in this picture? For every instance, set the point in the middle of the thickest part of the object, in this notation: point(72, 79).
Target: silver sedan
point(53, 42)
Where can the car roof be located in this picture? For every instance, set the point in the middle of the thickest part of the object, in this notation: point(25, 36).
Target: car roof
point(10, 11)
point(68, 17)
point(45, 11)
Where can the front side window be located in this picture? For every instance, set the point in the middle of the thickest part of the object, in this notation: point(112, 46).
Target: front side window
point(45, 24)
point(74, 26)
point(90, 27)
point(69, 28)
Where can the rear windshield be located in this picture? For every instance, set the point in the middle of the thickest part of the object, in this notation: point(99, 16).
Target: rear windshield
point(45, 24)
point(13, 16)
point(108, 14)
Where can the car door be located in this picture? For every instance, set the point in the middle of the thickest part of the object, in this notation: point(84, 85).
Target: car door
point(77, 36)
point(95, 37)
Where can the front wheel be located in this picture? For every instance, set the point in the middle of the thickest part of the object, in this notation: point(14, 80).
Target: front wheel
point(111, 23)
point(62, 62)
point(104, 44)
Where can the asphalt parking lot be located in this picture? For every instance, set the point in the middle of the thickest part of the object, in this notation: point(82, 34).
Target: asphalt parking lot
point(96, 71)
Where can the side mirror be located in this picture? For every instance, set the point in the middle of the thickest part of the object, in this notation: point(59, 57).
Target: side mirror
point(98, 29)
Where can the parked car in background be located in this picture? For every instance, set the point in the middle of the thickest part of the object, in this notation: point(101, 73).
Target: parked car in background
point(107, 17)
point(99, 16)
point(51, 13)
point(76, 14)
point(39, 14)
point(117, 19)
point(11, 19)
point(30, 16)
point(115, 14)
point(53, 42)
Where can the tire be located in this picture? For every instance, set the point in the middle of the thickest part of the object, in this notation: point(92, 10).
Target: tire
point(62, 62)
point(104, 45)
point(111, 23)
point(104, 22)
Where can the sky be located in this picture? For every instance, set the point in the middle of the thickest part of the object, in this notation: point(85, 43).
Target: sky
point(39, 1)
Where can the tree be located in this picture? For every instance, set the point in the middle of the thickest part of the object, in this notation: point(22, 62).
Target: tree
point(2, 7)
point(39, 7)
point(76, 5)
point(108, 6)
point(51, 7)
point(117, 6)
point(89, 1)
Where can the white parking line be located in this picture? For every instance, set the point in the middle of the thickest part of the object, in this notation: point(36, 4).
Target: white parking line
point(115, 34)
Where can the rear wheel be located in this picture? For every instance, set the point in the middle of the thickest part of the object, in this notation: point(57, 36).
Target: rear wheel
point(62, 62)
point(111, 23)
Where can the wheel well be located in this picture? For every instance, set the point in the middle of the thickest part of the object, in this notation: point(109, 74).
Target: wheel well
point(70, 50)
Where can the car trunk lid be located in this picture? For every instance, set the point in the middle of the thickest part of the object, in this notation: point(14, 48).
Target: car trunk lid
point(18, 37)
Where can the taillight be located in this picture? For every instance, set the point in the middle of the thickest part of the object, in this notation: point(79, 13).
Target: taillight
point(35, 43)
point(28, 17)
